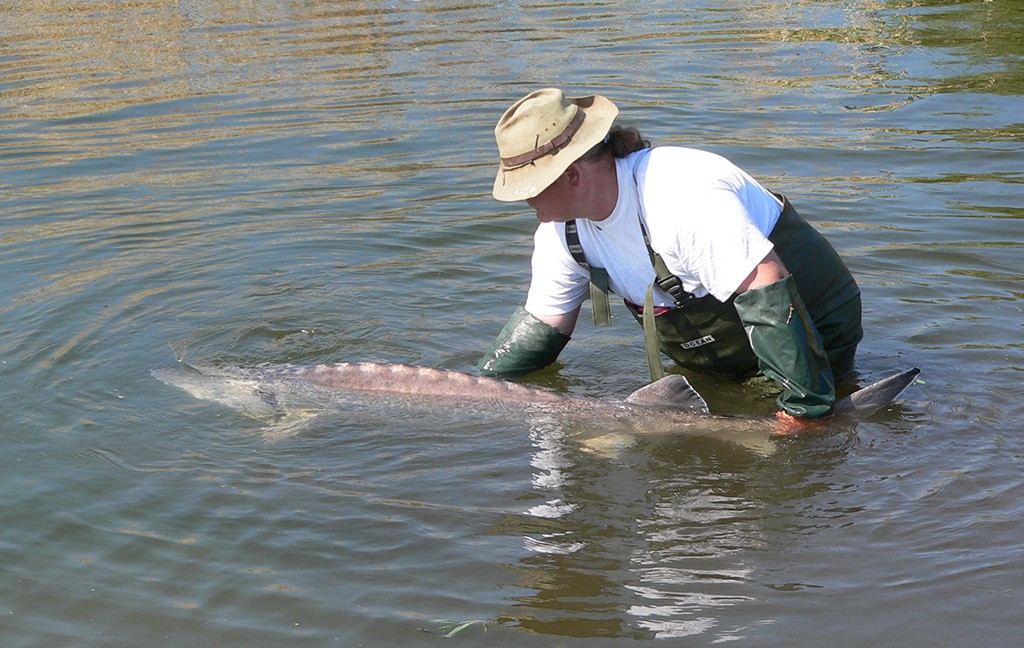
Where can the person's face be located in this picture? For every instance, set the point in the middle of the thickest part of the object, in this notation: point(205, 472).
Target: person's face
point(558, 203)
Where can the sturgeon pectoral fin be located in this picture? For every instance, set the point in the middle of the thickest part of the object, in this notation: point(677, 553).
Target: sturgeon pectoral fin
point(294, 423)
point(671, 391)
point(609, 446)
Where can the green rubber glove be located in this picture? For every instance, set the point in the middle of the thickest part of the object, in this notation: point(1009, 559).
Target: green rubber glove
point(789, 349)
point(525, 344)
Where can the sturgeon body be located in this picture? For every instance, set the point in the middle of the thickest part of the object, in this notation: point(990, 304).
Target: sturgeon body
point(287, 397)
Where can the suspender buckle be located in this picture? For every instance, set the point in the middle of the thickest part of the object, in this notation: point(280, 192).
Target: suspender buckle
point(674, 287)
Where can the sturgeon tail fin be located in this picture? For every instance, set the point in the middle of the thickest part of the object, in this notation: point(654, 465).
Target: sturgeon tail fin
point(871, 398)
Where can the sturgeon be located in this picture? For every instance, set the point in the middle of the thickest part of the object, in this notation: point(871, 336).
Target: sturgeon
point(289, 396)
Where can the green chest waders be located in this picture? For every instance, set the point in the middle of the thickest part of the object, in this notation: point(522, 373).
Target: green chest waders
point(706, 335)
point(701, 333)
point(825, 285)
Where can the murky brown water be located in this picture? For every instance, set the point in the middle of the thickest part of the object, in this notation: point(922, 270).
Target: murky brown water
point(286, 182)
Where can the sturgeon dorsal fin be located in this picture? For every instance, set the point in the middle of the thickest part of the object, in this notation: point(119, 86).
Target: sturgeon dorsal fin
point(879, 394)
point(671, 391)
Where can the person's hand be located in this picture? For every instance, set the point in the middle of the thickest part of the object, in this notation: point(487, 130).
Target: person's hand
point(785, 424)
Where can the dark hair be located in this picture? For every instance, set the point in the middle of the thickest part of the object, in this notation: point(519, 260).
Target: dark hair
point(621, 141)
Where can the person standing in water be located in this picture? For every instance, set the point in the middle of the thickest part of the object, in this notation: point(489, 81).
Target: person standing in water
point(725, 277)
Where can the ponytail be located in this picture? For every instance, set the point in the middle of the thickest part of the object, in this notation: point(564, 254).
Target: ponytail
point(623, 141)
point(620, 142)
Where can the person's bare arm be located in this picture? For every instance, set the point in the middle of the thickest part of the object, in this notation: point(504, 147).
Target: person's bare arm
point(565, 323)
point(770, 270)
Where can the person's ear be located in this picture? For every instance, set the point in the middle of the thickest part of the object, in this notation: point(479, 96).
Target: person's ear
point(572, 174)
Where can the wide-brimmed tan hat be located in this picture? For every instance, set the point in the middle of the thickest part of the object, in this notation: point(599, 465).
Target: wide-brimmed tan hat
point(541, 135)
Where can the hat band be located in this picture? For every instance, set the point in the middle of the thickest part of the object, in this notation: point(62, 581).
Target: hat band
point(556, 143)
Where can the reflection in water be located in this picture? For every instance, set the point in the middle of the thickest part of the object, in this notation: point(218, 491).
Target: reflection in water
point(654, 543)
point(550, 462)
point(693, 553)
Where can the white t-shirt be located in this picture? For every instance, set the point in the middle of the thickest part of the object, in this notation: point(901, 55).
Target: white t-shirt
point(707, 219)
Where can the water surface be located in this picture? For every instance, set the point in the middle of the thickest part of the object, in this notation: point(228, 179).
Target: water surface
point(290, 182)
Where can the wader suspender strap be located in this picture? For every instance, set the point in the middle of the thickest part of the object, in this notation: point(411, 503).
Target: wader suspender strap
point(664, 280)
point(662, 275)
point(651, 338)
point(599, 293)
point(599, 305)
